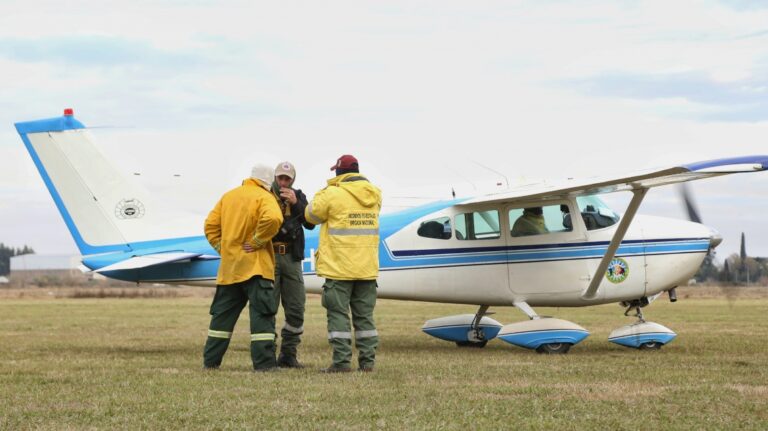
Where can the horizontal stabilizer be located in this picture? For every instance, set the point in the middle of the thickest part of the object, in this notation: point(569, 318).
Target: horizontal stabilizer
point(138, 262)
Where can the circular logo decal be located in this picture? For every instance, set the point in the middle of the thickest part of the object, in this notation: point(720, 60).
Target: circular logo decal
point(129, 208)
point(618, 270)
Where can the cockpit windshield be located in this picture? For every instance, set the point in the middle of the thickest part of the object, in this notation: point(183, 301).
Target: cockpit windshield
point(596, 213)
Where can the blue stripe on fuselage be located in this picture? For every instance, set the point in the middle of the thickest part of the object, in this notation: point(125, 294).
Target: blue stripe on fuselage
point(206, 269)
point(398, 259)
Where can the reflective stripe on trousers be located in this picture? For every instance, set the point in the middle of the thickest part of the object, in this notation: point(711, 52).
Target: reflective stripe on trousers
point(339, 334)
point(293, 329)
point(366, 334)
point(219, 334)
point(263, 337)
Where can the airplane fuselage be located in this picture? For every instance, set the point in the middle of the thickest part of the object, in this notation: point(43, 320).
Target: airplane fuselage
point(543, 270)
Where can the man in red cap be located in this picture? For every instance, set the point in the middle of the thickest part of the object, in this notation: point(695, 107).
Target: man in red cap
point(348, 257)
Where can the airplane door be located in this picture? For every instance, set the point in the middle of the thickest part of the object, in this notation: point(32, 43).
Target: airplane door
point(626, 274)
point(453, 255)
point(546, 251)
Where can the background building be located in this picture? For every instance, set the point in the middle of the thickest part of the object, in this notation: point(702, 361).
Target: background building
point(41, 270)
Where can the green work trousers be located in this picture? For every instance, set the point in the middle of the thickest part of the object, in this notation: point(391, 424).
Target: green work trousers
point(289, 288)
point(227, 304)
point(359, 296)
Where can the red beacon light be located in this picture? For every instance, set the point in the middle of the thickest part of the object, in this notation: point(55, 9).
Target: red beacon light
point(68, 112)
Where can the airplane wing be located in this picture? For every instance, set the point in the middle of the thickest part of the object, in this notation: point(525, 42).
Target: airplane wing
point(138, 262)
point(639, 180)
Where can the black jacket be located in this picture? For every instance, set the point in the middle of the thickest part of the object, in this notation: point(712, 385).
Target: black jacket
point(291, 231)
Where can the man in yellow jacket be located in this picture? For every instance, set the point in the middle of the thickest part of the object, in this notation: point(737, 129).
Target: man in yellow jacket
point(348, 257)
point(248, 214)
point(530, 223)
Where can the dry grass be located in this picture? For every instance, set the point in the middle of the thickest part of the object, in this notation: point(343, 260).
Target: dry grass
point(134, 363)
point(61, 292)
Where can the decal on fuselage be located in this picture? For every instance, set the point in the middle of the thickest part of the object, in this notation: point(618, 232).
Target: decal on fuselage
point(129, 208)
point(618, 270)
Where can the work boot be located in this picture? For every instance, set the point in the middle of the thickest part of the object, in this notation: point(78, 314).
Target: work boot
point(366, 369)
point(287, 361)
point(335, 369)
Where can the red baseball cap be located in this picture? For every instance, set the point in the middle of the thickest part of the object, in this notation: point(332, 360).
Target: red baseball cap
point(345, 162)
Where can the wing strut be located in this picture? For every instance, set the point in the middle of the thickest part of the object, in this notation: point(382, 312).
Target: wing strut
point(634, 204)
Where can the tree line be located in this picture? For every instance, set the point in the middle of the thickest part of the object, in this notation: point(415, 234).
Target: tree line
point(734, 270)
point(5, 256)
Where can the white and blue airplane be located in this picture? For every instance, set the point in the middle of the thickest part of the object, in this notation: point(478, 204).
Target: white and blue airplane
point(465, 251)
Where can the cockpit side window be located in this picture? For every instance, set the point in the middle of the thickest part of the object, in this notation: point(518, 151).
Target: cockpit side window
point(478, 225)
point(540, 220)
point(439, 228)
point(595, 213)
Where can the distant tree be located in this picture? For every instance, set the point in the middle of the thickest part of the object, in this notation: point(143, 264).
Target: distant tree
point(752, 269)
point(5, 256)
point(725, 274)
point(762, 278)
point(709, 270)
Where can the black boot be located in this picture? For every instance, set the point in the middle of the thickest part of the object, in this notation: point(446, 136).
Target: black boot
point(285, 361)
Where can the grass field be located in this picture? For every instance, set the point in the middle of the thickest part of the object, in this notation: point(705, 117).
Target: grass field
point(135, 363)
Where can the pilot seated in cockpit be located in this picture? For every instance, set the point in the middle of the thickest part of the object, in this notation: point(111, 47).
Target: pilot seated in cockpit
point(530, 223)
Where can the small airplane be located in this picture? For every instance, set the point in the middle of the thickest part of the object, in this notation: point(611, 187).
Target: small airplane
point(478, 251)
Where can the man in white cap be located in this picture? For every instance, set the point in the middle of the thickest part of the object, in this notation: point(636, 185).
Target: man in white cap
point(288, 245)
point(246, 214)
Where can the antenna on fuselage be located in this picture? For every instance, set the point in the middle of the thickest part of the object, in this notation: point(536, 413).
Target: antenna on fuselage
point(506, 180)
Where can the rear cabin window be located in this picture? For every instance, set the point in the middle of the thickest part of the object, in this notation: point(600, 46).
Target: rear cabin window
point(439, 228)
point(477, 225)
point(540, 220)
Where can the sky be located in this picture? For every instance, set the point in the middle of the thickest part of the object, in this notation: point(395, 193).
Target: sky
point(429, 95)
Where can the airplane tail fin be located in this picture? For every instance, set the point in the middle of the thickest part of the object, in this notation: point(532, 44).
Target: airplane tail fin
point(103, 211)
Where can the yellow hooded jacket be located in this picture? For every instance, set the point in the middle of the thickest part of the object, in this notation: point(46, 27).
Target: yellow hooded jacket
point(529, 224)
point(348, 209)
point(248, 213)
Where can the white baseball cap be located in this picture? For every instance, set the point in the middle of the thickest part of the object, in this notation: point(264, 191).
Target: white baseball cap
point(263, 173)
point(287, 169)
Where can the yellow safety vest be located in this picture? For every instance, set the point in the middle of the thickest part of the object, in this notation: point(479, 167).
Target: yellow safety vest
point(348, 209)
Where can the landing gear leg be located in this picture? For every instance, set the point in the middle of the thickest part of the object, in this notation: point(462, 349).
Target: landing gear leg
point(638, 311)
point(476, 336)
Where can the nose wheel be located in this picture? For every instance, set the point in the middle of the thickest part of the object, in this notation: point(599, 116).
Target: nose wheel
point(650, 345)
point(641, 335)
point(554, 348)
point(476, 337)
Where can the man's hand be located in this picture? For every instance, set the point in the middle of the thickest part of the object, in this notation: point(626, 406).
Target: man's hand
point(288, 195)
point(248, 248)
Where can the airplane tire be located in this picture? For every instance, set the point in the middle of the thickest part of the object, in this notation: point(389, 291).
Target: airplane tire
point(554, 348)
point(475, 344)
point(650, 345)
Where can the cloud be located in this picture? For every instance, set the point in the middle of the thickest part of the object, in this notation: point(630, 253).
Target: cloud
point(745, 5)
point(741, 100)
point(95, 50)
point(530, 89)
